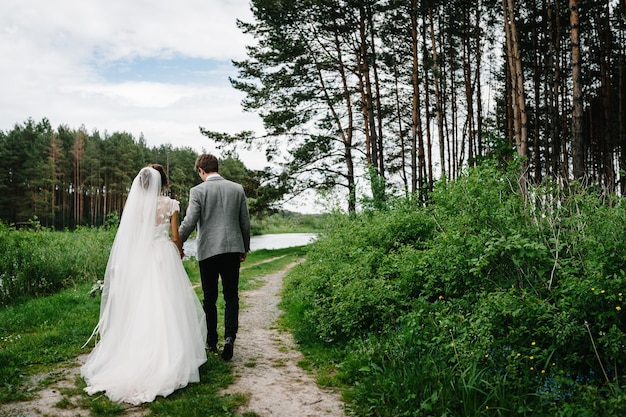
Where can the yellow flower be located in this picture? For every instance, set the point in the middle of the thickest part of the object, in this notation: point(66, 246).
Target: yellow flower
point(531, 357)
point(543, 371)
point(533, 343)
point(519, 354)
point(593, 289)
point(441, 297)
point(602, 292)
point(618, 308)
point(487, 355)
point(532, 368)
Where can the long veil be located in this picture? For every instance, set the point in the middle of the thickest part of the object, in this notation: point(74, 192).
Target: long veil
point(132, 243)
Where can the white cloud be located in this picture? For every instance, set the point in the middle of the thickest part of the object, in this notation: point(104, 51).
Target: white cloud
point(56, 54)
point(140, 94)
point(122, 28)
point(154, 68)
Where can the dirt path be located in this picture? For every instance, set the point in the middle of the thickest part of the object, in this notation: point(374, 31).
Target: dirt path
point(265, 366)
point(266, 362)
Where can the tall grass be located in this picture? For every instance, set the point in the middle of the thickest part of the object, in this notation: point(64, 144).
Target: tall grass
point(479, 304)
point(42, 261)
point(39, 261)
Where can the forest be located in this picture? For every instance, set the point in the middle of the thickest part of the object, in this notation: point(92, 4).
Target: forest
point(63, 178)
point(414, 91)
point(371, 98)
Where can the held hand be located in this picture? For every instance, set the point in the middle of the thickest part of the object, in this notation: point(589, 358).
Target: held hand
point(242, 257)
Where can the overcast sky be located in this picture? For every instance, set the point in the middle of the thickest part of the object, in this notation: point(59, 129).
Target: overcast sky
point(154, 67)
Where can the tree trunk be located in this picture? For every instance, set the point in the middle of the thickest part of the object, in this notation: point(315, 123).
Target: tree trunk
point(517, 78)
point(78, 152)
point(578, 157)
point(466, 58)
point(415, 105)
point(438, 95)
point(477, 75)
point(365, 87)
point(428, 169)
point(403, 174)
point(377, 101)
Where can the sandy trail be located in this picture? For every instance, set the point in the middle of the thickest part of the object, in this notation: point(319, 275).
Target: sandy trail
point(266, 362)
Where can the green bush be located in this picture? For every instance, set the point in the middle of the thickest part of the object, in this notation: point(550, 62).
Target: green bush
point(481, 303)
point(41, 261)
point(348, 286)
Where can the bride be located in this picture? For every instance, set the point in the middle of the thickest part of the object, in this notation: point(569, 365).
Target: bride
point(152, 328)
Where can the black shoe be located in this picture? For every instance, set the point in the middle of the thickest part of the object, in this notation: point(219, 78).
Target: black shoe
point(227, 353)
point(211, 349)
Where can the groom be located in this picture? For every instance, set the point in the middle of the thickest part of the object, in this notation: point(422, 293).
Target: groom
point(218, 207)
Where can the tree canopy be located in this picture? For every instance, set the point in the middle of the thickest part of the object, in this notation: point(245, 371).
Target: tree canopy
point(67, 177)
point(420, 90)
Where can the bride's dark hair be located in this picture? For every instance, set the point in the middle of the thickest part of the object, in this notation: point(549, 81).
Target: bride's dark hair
point(164, 180)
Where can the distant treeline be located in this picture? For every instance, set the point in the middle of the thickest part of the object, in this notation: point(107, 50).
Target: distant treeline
point(65, 177)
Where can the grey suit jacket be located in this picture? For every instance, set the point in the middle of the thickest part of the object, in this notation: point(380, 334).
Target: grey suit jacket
point(218, 207)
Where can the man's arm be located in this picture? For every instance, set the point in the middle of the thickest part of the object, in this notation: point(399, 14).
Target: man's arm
point(244, 222)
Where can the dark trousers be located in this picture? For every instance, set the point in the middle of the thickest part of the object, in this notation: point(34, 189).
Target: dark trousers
point(225, 265)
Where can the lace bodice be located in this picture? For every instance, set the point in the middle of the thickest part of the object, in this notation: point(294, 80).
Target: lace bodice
point(165, 208)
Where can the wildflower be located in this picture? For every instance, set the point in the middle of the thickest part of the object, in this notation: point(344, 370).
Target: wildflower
point(531, 357)
point(593, 289)
point(602, 292)
point(543, 371)
point(532, 368)
point(486, 355)
point(519, 354)
point(618, 308)
point(441, 297)
point(533, 343)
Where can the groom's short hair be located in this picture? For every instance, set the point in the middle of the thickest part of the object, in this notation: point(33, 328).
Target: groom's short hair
point(207, 162)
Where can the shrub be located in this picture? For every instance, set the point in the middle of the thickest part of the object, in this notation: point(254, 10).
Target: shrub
point(39, 262)
point(481, 303)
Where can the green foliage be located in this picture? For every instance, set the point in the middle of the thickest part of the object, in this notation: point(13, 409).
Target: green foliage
point(378, 201)
point(41, 261)
point(66, 178)
point(347, 285)
point(262, 193)
point(478, 304)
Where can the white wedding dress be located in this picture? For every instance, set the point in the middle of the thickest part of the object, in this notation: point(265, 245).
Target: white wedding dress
point(152, 327)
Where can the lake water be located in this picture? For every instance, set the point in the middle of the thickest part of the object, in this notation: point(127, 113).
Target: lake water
point(271, 241)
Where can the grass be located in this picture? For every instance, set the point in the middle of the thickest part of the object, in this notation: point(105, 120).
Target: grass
point(41, 335)
point(266, 261)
